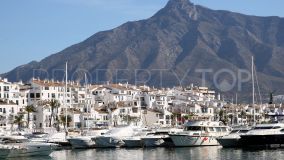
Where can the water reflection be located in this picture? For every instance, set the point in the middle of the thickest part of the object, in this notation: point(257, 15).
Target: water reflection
point(196, 153)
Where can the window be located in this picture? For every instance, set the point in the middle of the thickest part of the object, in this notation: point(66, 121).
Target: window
point(37, 95)
point(234, 131)
point(6, 88)
point(4, 110)
point(243, 131)
point(194, 128)
point(264, 127)
point(32, 95)
point(122, 110)
point(46, 88)
point(218, 129)
point(211, 129)
point(135, 110)
point(105, 118)
point(0, 109)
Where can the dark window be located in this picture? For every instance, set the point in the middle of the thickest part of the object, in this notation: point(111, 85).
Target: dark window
point(32, 95)
point(193, 128)
point(37, 95)
point(135, 110)
point(243, 131)
point(264, 127)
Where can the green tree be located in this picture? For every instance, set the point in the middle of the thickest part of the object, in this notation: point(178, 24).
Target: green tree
point(243, 114)
point(54, 104)
point(18, 120)
point(221, 115)
point(174, 118)
point(231, 118)
point(29, 109)
point(62, 119)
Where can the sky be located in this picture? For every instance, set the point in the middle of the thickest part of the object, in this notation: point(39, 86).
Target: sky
point(34, 29)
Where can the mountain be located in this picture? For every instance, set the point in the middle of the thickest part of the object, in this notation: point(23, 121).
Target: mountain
point(174, 47)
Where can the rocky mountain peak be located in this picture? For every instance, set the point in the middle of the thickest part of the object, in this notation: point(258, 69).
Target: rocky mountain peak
point(182, 8)
point(179, 2)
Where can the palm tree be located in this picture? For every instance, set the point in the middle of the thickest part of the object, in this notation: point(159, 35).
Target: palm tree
point(62, 119)
point(29, 109)
point(243, 114)
point(18, 120)
point(221, 115)
point(174, 118)
point(54, 104)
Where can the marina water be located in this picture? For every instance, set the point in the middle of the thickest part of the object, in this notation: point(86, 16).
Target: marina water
point(194, 153)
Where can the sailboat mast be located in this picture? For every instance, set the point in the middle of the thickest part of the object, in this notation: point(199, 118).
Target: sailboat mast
point(65, 95)
point(252, 74)
point(87, 100)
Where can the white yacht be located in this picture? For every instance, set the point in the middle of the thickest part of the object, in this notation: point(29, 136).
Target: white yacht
point(114, 137)
point(232, 140)
point(199, 133)
point(85, 140)
point(135, 140)
point(18, 146)
point(264, 135)
point(159, 138)
point(59, 138)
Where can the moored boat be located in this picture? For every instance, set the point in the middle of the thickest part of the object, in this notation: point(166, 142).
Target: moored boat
point(85, 140)
point(199, 133)
point(232, 140)
point(264, 135)
point(114, 137)
point(159, 138)
point(12, 148)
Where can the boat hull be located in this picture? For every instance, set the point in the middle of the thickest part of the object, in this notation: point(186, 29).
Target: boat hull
point(273, 140)
point(229, 142)
point(157, 142)
point(108, 142)
point(82, 142)
point(132, 143)
point(191, 141)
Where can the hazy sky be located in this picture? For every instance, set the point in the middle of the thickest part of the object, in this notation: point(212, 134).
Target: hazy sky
point(33, 29)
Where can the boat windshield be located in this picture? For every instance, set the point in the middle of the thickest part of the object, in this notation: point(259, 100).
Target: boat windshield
point(234, 131)
point(264, 127)
point(243, 131)
point(194, 128)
